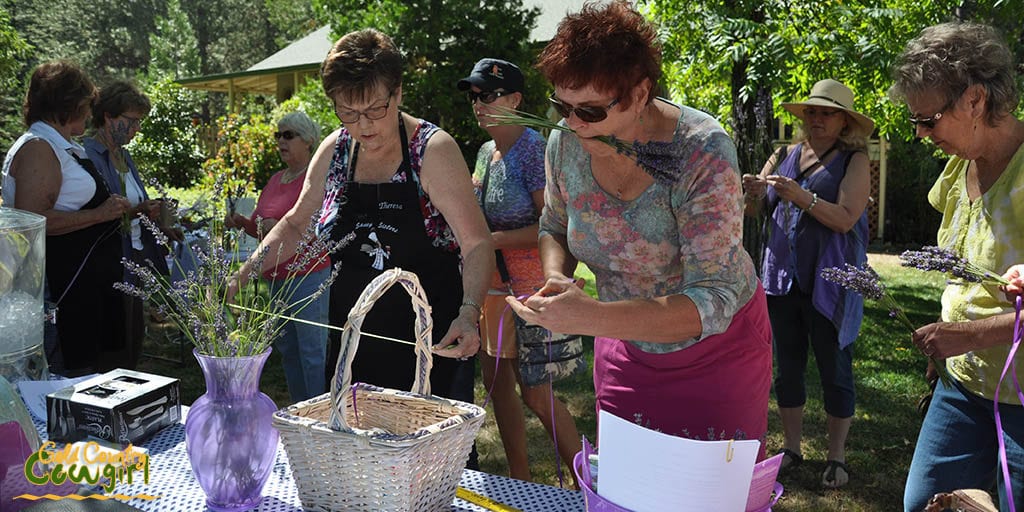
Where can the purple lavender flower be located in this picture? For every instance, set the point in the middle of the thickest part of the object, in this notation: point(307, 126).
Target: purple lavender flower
point(866, 282)
point(198, 303)
point(662, 160)
point(932, 258)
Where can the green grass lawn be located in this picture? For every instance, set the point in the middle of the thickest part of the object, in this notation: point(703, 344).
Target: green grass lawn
point(889, 380)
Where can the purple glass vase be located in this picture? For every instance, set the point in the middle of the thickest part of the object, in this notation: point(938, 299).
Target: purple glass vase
point(229, 437)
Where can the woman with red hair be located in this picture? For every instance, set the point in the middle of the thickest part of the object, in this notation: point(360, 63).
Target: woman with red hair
point(682, 339)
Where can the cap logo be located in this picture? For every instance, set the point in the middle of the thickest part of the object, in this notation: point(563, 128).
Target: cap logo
point(496, 72)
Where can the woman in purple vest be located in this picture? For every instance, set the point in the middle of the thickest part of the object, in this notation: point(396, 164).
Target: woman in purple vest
point(815, 193)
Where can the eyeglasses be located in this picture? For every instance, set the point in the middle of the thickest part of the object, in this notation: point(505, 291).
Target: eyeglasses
point(133, 121)
point(930, 121)
point(372, 113)
point(286, 135)
point(813, 112)
point(585, 114)
point(487, 97)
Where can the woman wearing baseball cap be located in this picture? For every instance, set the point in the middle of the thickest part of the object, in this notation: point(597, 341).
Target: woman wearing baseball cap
point(509, 179)
point(815, 193)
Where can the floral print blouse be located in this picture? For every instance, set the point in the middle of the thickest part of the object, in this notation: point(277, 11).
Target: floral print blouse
point(434, 223)
point(683, 237)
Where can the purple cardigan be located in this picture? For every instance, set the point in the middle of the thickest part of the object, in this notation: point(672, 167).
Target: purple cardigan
point(796, 253)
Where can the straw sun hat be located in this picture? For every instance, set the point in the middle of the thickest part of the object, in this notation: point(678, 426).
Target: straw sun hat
point(832, 94)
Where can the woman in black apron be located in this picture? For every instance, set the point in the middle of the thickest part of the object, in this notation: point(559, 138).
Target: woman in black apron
point(401, 186)
point(389, 232)
point(45, 172)
point(82, 267)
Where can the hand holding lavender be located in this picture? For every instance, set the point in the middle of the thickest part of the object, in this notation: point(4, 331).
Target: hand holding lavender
point(866, 282)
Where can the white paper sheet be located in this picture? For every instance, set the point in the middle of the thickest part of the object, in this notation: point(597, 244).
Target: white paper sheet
point(34, 392)
point(647, 471)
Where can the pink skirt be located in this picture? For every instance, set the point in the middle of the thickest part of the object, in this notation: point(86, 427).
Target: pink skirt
point(716, 389)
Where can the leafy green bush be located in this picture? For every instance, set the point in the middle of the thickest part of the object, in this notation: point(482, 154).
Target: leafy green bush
point(310, 98)
point(246, 155)
point(167, 147)
point(913, 168)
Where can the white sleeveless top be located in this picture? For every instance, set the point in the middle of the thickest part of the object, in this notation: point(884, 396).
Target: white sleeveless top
point(77, 187)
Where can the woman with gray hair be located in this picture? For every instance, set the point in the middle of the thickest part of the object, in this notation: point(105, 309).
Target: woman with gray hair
point(303, 347)
point(957, 80)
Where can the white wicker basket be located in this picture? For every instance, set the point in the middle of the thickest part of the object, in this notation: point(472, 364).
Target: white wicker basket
point(390, 450)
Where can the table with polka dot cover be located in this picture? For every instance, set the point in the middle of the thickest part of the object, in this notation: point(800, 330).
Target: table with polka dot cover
point(172, 481)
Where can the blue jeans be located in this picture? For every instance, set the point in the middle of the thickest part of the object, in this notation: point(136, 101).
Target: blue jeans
point(957, 448)
point(303, 347)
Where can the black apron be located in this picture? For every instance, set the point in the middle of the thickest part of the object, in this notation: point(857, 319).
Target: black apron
point(389, 232)
point(90, 318)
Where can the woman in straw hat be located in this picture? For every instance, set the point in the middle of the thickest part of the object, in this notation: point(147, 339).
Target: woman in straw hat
point(815, 193)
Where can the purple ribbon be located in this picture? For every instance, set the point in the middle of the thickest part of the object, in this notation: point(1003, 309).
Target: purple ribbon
point(1015, 344)
point(551, 388)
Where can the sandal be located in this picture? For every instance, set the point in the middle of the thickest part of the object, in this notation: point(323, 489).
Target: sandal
point(829, 479)
point(790, 460)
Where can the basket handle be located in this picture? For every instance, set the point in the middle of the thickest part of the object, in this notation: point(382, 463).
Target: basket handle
point(350, 338)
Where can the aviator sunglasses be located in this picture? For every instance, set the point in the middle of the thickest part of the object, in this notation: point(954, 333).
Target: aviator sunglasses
point(486, 97)
point(585, 114)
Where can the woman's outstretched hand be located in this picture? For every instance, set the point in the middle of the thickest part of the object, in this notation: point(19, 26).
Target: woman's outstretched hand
point(1015, 275)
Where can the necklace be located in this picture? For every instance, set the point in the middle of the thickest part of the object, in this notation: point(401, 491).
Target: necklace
point(622, 183)
point(289, 176)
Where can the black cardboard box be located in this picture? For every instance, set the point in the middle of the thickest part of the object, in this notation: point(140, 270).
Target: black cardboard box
point(120, 406)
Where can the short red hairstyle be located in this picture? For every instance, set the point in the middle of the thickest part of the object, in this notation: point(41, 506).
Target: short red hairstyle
point(610, 47)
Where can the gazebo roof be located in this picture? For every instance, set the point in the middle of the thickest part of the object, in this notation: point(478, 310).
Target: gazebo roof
point(305, 54)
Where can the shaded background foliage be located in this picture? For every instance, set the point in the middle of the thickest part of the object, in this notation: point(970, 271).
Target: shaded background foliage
point(167, 147)
point(736, 59)
point(765, 52)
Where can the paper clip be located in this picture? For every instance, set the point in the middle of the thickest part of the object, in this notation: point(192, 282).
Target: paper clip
point(729, 452)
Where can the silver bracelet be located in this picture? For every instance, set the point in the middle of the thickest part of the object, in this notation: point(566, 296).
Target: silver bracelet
point(814, 201)
point(473, 305)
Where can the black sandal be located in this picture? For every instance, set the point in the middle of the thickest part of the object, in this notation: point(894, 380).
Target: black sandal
point(794, 458)
point(828, 479)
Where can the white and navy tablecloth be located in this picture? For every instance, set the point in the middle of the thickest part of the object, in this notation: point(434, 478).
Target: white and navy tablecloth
point(171, 479)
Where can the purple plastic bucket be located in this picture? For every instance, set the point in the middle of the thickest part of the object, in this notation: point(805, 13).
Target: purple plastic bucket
point(593, 500)
point(595, 503)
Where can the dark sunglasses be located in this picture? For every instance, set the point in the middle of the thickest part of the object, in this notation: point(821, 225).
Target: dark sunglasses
point(286, 135)
point(930, 121)
point(487, 97)
point(585, 114)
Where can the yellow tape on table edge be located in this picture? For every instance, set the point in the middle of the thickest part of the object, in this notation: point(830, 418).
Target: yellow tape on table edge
point(483, 501)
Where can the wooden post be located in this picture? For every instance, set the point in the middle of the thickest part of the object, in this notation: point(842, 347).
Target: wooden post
point(883, 171)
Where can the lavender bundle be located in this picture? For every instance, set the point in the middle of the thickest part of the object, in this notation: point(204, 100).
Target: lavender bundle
point(932, 258)
point(198, 303)
point(659, 159)
point(867, 282)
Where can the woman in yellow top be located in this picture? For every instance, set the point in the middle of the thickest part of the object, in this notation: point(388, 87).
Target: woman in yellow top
point(957, 80)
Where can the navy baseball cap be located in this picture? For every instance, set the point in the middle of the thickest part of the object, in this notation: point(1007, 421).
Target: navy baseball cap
point(492, 75)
